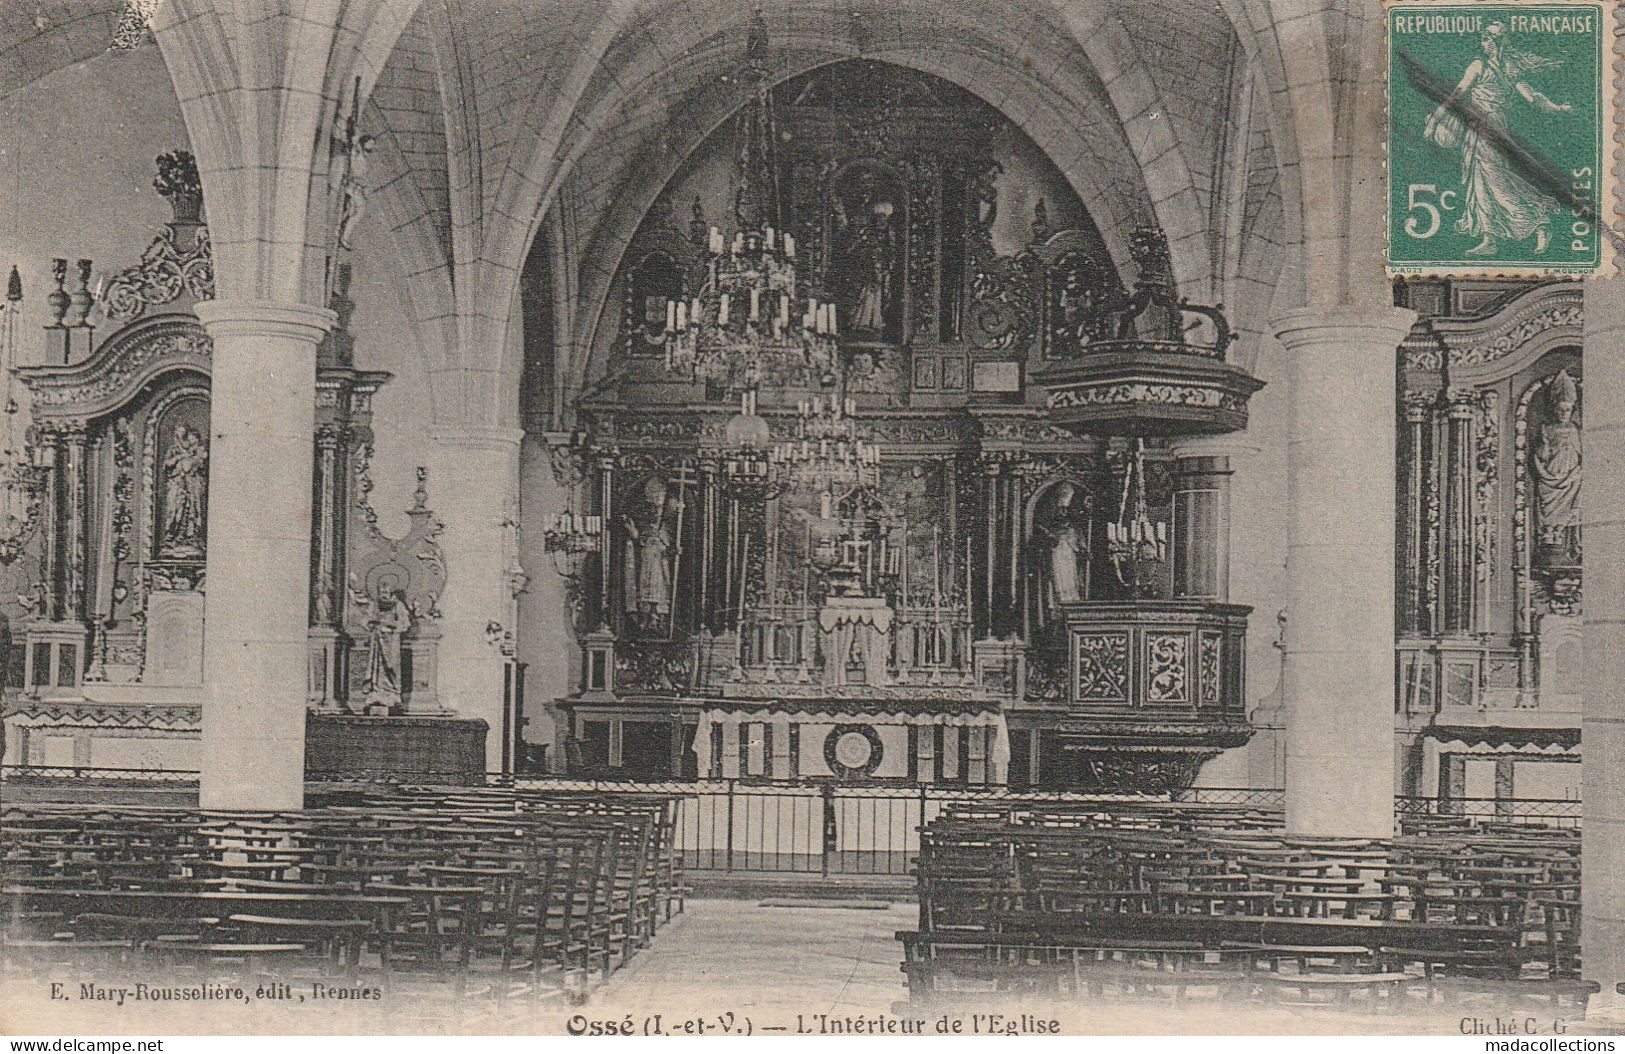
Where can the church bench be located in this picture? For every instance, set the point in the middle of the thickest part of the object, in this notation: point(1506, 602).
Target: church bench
point(1339, 986)
point(1316, 903)
point(338, 940)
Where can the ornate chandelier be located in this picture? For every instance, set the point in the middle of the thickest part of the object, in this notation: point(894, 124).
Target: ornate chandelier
point(749, 323)
point(1134, 540)
point(751, 467)
point(571, 536)
point(827, 451)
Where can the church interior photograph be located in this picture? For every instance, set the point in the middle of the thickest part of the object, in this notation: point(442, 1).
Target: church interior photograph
point(842, 510)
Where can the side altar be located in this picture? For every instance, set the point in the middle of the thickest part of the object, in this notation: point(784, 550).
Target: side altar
point(103, 575)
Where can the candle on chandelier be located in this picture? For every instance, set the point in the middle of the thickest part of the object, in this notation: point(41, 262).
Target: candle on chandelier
point(722, 310)
point(755, 305)
point(715, 243)
point(789, 245)
point(671, 315)
point(682, 316)
point(770, 239)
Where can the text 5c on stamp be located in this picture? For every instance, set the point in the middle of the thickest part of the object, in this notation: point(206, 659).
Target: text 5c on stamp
point(1499, 150)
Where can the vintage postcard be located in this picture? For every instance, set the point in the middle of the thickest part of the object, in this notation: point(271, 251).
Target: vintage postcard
point(1500, 135)
point(888, 518)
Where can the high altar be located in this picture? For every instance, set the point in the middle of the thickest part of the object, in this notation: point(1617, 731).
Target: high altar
point(960, 529)
point(102, 566)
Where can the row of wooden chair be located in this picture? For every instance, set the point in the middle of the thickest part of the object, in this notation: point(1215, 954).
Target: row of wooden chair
point(503, 894)
point(1061, 892)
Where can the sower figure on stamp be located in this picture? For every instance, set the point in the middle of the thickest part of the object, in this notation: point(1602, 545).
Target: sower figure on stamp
point(1497, 201)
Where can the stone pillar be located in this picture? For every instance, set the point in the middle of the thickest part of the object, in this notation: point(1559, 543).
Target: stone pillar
point(473, 487)
point(256, 615)
point(1602, 736)
point(1338, 677)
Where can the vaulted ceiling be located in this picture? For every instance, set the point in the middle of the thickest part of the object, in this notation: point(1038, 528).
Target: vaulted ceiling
point(493, 114)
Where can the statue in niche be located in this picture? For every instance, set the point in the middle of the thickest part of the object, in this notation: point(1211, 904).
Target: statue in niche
point(1061, 542)
point(867, 255)
point(1555, 465)
point(390, 620)
point(650, 558)
point(186, 488)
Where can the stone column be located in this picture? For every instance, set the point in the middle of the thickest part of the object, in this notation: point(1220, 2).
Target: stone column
point(1338, 679)
point(1602, 736)
point(473, 487)
point(256, 615)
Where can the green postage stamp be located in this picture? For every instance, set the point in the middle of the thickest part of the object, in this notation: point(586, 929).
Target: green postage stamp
point(1500, 152)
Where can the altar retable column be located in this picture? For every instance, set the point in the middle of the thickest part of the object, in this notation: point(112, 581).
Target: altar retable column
point(473, 488)
point(1602, 733)
point(257, 606)
point(1338, 681)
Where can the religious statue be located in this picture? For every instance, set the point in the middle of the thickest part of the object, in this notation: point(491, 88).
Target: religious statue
point(869, 253)
point(1061, 540)
point(350, 176)
point(186, 485)
point(1556, 468)
point(650, 551)
point(391, 618)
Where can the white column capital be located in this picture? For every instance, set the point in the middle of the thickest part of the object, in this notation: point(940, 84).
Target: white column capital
point(478, 437)
point(265, 318)
point(1306, 327)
